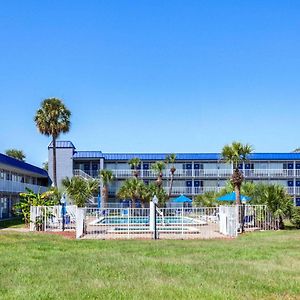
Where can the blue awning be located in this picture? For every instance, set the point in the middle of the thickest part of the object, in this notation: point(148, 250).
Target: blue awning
point(181, 199)
point(231, 197)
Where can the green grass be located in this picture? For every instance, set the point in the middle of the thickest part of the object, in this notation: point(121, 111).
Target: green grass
point(12, 223)
point(261, 265)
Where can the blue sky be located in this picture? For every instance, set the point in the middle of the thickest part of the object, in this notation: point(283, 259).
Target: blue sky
point(152, 76)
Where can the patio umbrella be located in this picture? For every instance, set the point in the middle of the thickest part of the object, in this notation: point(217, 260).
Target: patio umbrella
point(231, 197)
point(181, 199)
point(99, 201)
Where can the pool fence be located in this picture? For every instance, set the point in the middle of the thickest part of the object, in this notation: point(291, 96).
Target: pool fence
point(153, 222)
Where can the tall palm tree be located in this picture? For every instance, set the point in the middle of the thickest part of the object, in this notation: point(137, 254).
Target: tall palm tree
point(134, 164)
point(106, 177)
point(131, 189)
point(158, 168)
point(235, 154)
point(52, 119)
point(80, 190)
point(170, 159)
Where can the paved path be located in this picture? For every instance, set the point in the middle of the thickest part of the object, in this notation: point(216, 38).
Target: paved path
point(14, 229)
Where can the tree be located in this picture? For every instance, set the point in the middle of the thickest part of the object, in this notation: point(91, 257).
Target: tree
point(17, 154)
point(207, 199)
point(235, 154)
point(80, 190)
point(106, 177)
point(52, 119)
point(278, 201)
point(29, 199)
point(134, 164)
point(158, 168)
point(132, 188)
point(46, 166)
point(295, 216)
point(297, 150)
point(170, 159)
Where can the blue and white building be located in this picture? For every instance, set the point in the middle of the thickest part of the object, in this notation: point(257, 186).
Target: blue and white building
point(195, 174)
point(15, 176)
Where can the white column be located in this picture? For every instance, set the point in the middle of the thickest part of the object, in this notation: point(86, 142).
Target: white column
point(152, 216)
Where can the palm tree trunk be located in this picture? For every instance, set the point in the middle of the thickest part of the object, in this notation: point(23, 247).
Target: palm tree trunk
point(133, 205)
point(237, 194)
point(54, 162)
point(104, 196)
point(281, 224)
point(171, 186)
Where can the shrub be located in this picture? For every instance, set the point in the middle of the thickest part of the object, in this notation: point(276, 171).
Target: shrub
point(295, 218)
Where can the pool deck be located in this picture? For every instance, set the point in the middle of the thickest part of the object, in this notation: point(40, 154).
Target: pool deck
point(209, 230)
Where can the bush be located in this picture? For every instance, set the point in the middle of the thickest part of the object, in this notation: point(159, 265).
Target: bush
point(295, 218)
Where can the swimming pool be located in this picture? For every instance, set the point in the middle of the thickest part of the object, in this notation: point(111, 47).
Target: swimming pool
point(117, 220)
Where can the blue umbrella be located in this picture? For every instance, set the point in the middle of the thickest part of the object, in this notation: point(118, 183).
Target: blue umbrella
point(181, 199)
point(231, 197)
point(63, 205)
point(99, 201)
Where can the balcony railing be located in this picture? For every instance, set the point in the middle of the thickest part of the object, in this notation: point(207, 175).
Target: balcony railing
point(206, 173)
point(178, 190)
point(19, 187)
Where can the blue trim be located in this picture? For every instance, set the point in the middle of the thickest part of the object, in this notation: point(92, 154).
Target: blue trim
point(62, 144)
point(6, 160)
point(183, 156)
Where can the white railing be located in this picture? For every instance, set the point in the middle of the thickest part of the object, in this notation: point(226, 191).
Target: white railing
point(135, 223)
point(178, 190)
point(205, 173)
point(52, 218)
point(174, 223)
point(149, 223)
point(192, 190)
point(269, 173)
point(82, 174)
point(19, 187)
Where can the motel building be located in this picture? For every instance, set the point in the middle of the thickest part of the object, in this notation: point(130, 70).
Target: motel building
point(15, 177)
point(195, 174)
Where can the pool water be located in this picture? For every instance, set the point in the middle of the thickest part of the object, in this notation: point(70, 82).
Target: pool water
point(145, 220)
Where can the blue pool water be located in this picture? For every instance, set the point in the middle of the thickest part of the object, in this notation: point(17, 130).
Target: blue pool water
point(145, 220)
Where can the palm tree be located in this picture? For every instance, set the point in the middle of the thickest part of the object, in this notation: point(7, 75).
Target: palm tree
point(80, 190)
point(278, 201)
point(52, 119)
point(106, 177)
point(158, 168)
point(131, 189)
point(235, 154)
point(208, 199)
point(17, 154)
point(134, 164)
point(170, 159)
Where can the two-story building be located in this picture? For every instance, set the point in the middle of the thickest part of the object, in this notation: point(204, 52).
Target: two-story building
point(195, 174)
point(15, 176)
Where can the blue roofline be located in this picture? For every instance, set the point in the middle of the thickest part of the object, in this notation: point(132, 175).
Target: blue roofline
point(7, 160)
point(62, 144)
point(183, 156)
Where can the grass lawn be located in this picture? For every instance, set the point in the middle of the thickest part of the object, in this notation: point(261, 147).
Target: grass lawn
point(261, 265)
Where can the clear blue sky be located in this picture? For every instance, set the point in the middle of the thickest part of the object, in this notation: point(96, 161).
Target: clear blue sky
point(152, 76)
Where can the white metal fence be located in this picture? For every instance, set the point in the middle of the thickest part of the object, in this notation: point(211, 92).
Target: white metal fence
point(168, 223)
point(52, 218)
